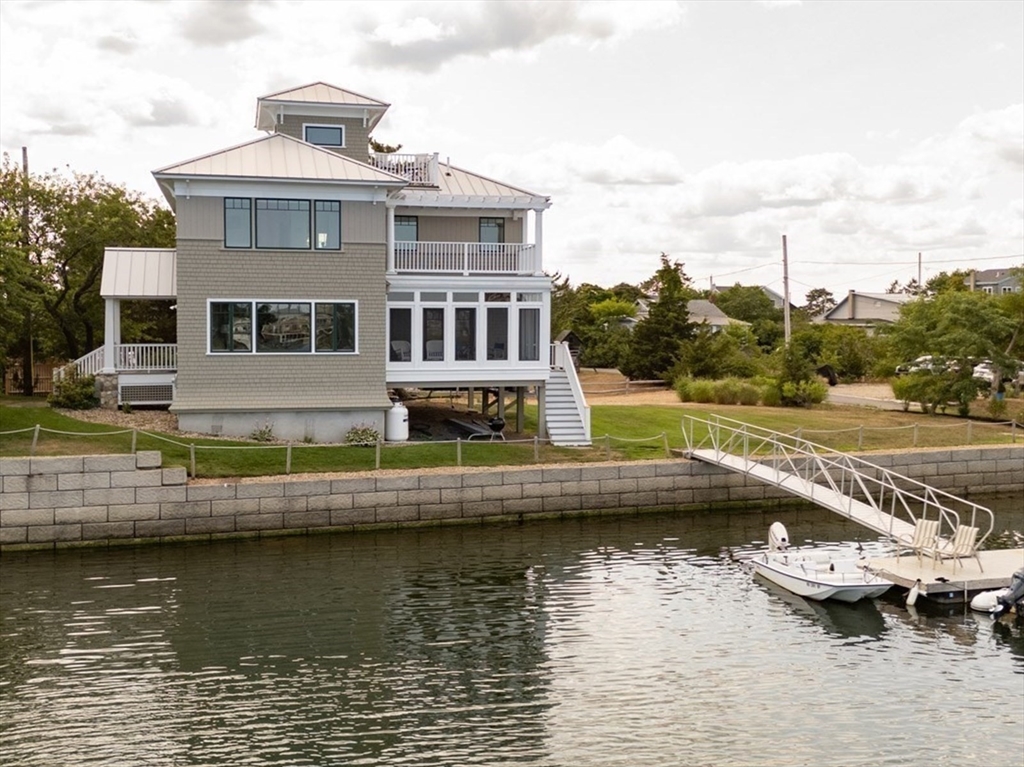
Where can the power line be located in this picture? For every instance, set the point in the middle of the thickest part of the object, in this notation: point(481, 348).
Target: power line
point(907, 263)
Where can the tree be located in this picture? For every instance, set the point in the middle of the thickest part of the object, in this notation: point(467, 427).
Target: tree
point(751, 304)
point(654, 350)
point(382, 148)
point(944, 282)
point(612, 310)
point(819, 301)
point(55, 268)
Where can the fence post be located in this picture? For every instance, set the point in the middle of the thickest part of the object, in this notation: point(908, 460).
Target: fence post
point(288, 459)
point(969, 432)
point(135, 437)
point(860, 438)
point(608, 446)
point(458, 451)
point(536, 448)
point(35, 439)
point(664, 437)
point(376, 450)
point(192, 458)
point(915, 435)
point(1013, 432)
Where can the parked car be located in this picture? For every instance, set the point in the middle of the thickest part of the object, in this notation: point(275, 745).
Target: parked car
point(989, 372)
point(924, 364)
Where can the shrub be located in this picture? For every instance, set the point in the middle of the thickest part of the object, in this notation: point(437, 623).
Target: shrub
point(682, 386)
point(702, 391)
point(996, 408)
point(727, 392)
point(362, 434)
point(74, 392)
point(770, 395)
point(804, 393)
point(749, 394)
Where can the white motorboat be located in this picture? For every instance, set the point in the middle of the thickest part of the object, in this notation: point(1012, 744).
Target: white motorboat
point(816, 574)
point(1000, 601)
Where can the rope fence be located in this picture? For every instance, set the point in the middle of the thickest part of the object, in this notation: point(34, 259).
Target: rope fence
point(354, 457)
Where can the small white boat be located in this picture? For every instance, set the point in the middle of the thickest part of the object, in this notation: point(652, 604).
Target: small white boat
point(816, 574)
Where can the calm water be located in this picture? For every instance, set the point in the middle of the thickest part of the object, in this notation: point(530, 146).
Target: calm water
point(610, 641)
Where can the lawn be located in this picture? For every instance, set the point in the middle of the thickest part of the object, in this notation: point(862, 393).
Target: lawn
point(620, 431)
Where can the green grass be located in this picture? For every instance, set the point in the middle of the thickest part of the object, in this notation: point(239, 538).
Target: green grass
point(635, 432)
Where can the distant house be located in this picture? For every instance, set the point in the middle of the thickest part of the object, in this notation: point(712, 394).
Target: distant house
point(702, 310)
point(777, 299)
point(867, 310)
point(993, 281)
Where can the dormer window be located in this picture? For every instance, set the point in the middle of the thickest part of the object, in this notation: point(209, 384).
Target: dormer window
point(325, 135)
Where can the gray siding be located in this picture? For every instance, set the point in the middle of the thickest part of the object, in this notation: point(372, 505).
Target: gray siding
point(261, 382)
point(462, 228)
point(200, 218)
point(357, 137)
point(363, 222)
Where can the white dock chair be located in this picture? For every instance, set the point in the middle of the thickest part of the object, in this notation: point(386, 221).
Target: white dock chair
point(963, 545)
point(922, 541)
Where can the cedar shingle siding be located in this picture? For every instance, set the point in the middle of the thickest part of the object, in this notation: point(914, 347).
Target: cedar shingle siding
point(206, 270)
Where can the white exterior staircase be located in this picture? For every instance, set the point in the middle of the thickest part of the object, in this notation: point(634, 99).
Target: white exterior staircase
point(566, 413)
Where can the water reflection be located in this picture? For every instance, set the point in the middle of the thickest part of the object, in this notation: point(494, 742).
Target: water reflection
point(614, 640)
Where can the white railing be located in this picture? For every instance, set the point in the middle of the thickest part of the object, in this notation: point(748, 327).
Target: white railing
point(133, 357)
point(466, 257)
point(88, 365)
point(561, 359)
point(127, 358)
point(417, 169)
point(885, 491)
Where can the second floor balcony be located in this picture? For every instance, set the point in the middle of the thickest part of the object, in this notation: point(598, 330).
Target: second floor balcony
point(417, 169)
point(464, 258)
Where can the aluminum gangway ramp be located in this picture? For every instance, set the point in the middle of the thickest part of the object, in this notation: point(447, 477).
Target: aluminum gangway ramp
point(884, 501)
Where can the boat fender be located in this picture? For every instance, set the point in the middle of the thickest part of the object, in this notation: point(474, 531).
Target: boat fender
point(912, 595)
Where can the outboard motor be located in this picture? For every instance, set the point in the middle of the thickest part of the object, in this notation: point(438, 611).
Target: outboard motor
point(778, 538)
point(1011, 596)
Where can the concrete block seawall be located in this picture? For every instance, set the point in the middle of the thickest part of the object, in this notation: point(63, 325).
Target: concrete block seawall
point(101, 500)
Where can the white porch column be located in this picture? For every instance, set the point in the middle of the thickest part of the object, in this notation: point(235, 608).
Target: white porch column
point(538, 246)
point(391, 237)
point(111, 333)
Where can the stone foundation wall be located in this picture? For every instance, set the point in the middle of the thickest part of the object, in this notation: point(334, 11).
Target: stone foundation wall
point(102, 500)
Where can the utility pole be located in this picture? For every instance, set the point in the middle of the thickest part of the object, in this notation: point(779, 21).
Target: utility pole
point(785, 287)
point(920, 287)
point(28, 365)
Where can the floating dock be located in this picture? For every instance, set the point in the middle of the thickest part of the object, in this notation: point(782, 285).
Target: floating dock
point(960, 582)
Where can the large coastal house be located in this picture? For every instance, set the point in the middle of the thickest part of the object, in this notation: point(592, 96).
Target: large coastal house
point(314, 277)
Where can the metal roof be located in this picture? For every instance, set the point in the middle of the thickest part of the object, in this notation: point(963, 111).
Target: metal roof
point(462, 186)
point(281, 157)
point(324, 93)
point(318, 98)
point(139, 273)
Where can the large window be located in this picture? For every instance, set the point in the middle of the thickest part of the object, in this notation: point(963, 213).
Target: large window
point(282, 224)
point(407, 228)
point(465, 333)
point(325, 135)
point(237, 222)
point(327, 225)
point(230, 327)
point(276, 327)
point(336, 327)
point(492, 230)
point(400, 333)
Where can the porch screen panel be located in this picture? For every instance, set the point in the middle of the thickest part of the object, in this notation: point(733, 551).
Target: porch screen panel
point(465, 333)
point(529, 334)
point(336, 327)
point(433, 334)
point(497, 333)
point(400, 334)
point(230, 327)
point(283, 327)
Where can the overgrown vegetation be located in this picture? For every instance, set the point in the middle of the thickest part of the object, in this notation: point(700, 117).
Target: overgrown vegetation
point(74, 392)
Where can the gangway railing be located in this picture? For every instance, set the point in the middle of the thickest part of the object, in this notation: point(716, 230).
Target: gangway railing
point(848, 482)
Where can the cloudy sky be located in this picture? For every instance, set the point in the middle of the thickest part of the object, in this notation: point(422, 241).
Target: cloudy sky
point(867, 132)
